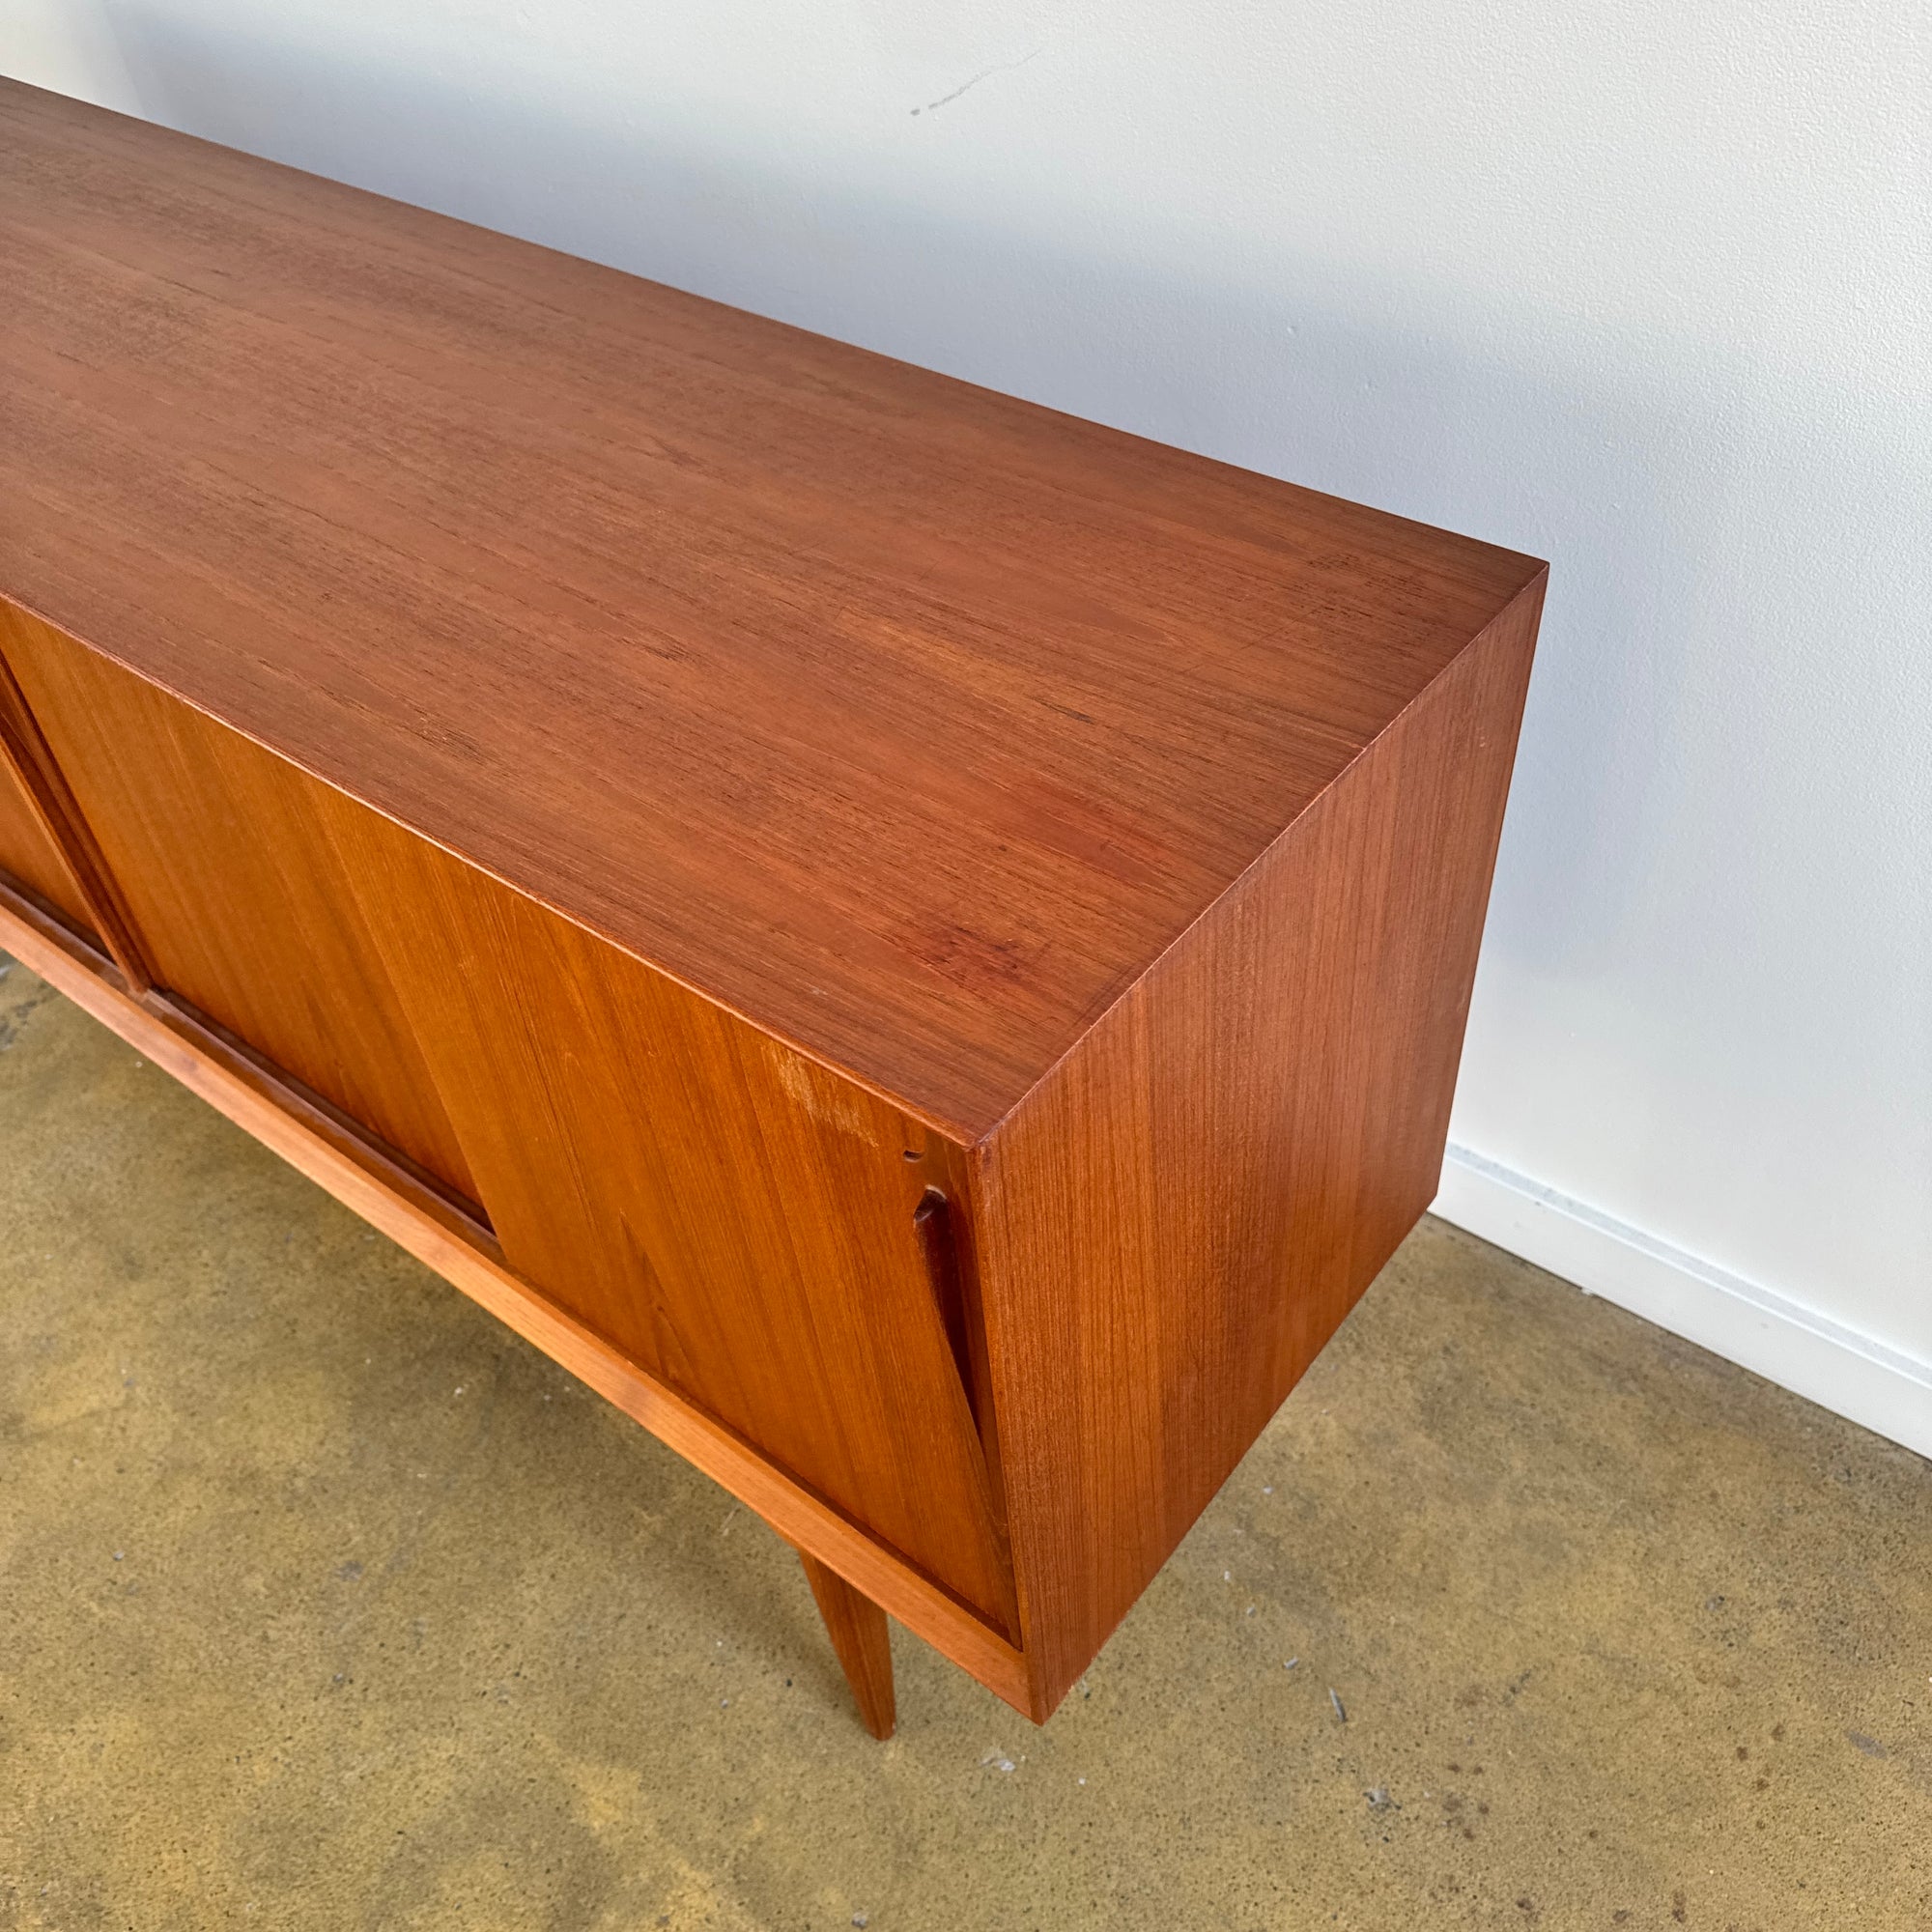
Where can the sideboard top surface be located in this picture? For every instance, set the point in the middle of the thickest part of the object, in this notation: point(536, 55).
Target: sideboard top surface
point(909, 720)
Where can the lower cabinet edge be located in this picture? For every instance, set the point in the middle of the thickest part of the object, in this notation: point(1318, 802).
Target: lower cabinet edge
point(802, 1518)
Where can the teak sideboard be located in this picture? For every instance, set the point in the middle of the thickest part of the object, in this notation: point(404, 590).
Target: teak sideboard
point(918, 944)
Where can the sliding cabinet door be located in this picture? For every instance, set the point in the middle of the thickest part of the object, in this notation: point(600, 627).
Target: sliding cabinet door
point(27, 855)
point(753, 1229)
point(232, 891)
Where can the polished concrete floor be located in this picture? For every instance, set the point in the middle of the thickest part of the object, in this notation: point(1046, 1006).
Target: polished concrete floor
point(326, 1603)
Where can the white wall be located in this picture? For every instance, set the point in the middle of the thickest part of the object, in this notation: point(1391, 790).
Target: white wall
point(1645, 289)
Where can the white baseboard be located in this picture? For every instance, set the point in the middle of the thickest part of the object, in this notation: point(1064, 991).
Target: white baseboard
point(1779, 1339)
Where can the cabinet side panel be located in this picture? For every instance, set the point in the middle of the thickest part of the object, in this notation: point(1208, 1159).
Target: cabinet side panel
point(1179, 1218)
point(740, 1222)
point(234, 894)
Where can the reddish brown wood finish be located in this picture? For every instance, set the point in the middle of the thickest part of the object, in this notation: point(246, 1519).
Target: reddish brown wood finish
point(934, 936)
point(858, 1633)
point(232, 890)
point(1182, 1213)
point(28, 856)
point(938, 715)
point(76, 885)
point(803, 1519)
point(733, 1216)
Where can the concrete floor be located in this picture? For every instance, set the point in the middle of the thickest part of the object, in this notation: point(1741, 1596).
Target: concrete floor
point(326, 1603)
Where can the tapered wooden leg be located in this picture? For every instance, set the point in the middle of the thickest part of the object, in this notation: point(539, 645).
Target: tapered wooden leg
point(857, 1628)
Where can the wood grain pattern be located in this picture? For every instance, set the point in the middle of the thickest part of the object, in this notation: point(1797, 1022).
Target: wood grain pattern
point(739, 1223)
point(232, 891)
point(29, 856)
point(78, 885)
point(808, 1522)
point(407, 1180)
point(937, 935)
point(911, 721)
point(858, 1633)
point(735, 1218)
point(1180, 1217)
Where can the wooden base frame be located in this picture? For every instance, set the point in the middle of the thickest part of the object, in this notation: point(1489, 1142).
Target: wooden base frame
point(854, 1579)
